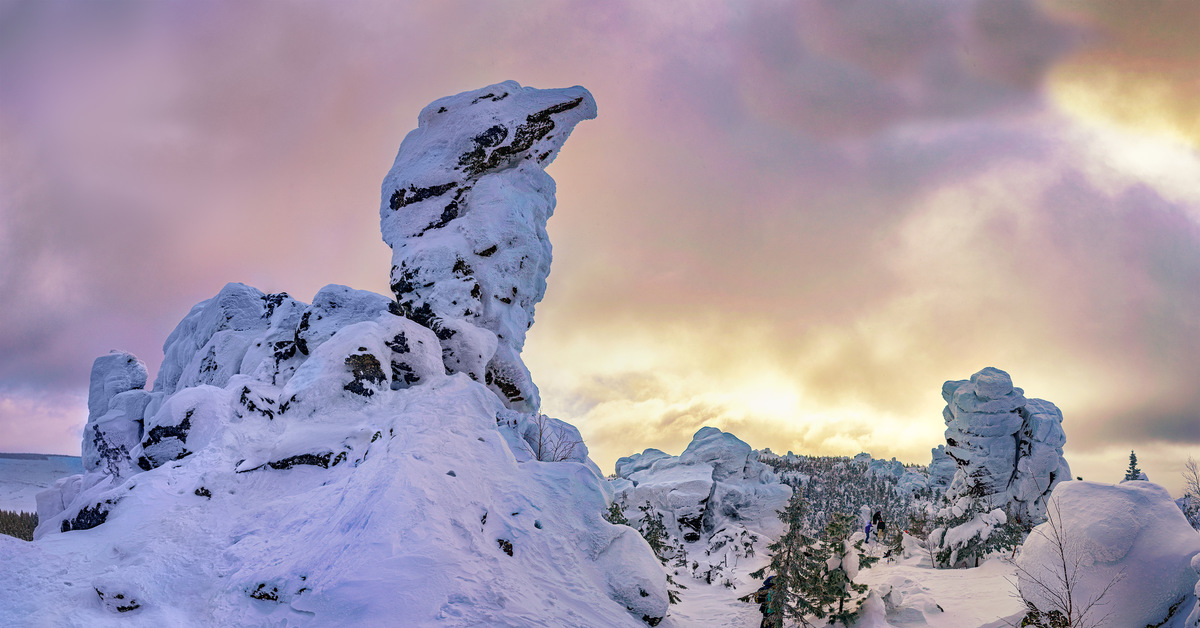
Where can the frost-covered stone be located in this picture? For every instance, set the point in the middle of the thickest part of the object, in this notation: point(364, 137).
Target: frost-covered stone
point(464, 209)
point(1008, 449)
point(116, 400)
point(629, 465)
point(184, 424)
point(208, 345)
point(1129, 536)
point(315, 465)
point(112, 375)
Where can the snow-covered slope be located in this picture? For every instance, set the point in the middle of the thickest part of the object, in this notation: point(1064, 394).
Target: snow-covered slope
point(341, 463)
point(23, 476)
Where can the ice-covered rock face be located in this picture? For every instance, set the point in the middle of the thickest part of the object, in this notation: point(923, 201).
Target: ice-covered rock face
point(1008, 449)
point(1130, 537)
point(464, 209)
point(342, 462)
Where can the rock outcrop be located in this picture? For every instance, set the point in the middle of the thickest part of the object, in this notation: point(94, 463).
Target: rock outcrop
point(358, 460)
point(464, 209)
point(1008, 449)
point(941, 468)
point(716, 498)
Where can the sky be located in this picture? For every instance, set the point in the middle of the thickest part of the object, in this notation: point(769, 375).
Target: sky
point(791, 220)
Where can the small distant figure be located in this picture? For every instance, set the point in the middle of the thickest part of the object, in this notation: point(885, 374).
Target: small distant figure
point(877, 524)
point(763, 597)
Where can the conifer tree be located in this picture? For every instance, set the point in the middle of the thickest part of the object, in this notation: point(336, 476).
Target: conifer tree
point(796, 567)
point(615, 516)
point(839, 594)
point(1133, 472)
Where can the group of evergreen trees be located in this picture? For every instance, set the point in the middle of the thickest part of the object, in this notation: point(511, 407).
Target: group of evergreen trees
point(18, 524)
point(831, 484)
point(814, 574)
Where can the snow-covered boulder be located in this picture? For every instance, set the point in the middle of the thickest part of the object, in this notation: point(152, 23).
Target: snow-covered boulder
point(1130, 537)
point(628, 465)
point(316, 465)
point(116, 401)
point(464, 208)
point(1008, 449)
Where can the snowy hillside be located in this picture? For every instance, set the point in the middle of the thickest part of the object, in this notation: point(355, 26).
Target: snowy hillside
point(23, 476)
point(360, 460)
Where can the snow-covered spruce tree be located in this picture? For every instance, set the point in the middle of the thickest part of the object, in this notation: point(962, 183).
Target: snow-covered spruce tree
point(840, 596)
point(797, 567)
point(614, 515)
point(1133, 472)
point(654, 531)
point(966, 530)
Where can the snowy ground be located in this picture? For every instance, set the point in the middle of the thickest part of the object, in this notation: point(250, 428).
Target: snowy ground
point(23, 476)
point(970, 598)
point(982, 597)
point(716, 606)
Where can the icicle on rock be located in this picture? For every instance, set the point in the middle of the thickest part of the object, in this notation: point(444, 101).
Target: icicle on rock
point(464, 209)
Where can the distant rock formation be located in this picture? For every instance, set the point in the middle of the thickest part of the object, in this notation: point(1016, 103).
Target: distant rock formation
point(716, 485)
point(358, 460)
point(464, 209)
point(1008, 449)
point(941, 469)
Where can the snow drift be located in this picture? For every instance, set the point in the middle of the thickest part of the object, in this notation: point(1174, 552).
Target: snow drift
point(1130, 537)
point(357, 460)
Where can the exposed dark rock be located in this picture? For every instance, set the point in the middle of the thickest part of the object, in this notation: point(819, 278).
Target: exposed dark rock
point(366, 370)
point(264, 594)
point(117, 602)
point(506, 546)
point(316, 460)
point(203, 492)
point(86, 519)
point(413, 194)
point(536, 126)
point(249, 403)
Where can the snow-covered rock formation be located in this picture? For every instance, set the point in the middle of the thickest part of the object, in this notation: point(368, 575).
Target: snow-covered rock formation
point(716, 498)
point(464, 209)
point(343, 463)
point(941, 469)
point(1128, 538)
point(1008, 449)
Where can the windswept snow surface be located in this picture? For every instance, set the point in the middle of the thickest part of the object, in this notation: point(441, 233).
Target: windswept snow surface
point(908, 593)
point(322, 465)
point(1130, 536)
point(23, 476)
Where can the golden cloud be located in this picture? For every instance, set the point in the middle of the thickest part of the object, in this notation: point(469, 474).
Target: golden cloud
point(1140, 69)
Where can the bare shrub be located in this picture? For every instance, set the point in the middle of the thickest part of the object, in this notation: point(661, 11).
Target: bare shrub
point(1058, 584)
